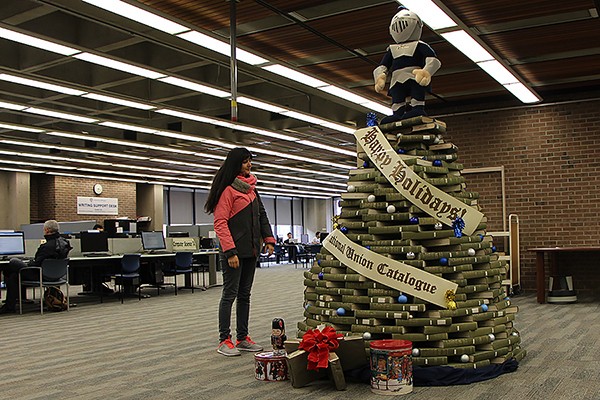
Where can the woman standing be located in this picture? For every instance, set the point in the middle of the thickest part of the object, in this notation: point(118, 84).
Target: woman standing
point(241, 224)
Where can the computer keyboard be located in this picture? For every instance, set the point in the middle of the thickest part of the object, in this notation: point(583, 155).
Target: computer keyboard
point(96, 254)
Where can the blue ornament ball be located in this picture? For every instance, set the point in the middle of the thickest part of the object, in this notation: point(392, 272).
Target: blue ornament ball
point(437, 163)
point(402, 299)
point(368, 247)
point(321, 275)
point(494, 249)
point(401, 151)
point(344, 229)
point(318, 262)
point(414, 220)
point(484, 307)
point(444, 261)
point(366, 164)
point(341, 311)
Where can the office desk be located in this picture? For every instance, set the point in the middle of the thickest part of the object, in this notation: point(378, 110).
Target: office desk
point(83, 261)
point(540, 266)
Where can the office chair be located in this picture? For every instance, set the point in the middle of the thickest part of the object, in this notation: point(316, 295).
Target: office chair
point(130, 267)
point(183, 266)
point(52, 272)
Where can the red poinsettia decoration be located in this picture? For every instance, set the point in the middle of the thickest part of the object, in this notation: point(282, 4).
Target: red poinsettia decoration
point(318, 344)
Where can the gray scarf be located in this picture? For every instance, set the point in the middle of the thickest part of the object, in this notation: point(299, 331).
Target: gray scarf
point(240, 185)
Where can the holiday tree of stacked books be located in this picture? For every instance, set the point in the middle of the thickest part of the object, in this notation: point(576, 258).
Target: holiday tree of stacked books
point(410, 258)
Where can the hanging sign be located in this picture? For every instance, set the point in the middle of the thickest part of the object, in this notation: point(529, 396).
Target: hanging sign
point(427, 197)
point(97, 205)
point(392, 273)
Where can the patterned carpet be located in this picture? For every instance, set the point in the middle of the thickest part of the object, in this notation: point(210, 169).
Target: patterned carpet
point(164, 347)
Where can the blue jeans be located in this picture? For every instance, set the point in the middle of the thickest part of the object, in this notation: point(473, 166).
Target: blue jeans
point(237, 284)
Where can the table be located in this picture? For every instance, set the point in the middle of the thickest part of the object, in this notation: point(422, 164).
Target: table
point(540, 266)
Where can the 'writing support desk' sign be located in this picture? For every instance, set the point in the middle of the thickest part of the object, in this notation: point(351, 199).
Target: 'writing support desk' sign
point(427, 197)
point(97, 205)
point(392, 273)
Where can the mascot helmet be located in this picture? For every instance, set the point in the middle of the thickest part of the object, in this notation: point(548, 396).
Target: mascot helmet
point(406, 26)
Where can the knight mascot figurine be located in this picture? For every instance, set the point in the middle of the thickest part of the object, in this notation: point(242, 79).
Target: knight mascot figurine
point(411, 64)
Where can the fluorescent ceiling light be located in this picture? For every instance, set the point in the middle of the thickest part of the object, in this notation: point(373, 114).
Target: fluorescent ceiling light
point(467, 45)
point(12, 106)
point(299, 158)
point(29, 171)
point(56, 114)
point(194, 86)
point(36, 42)
point(128, 127)
point(430, 13)
point(115, 100)
point(221, 47)
point(303, 117)
point(118, 65)
point(96, 177)
point(344, 94)
point(326, 147)
point(306, 171)
point(522, 92)
point(260, 104)
point(338, 127)
point(294, 75)
point(264, 132)
point(371, 105)
point(498, 72)
point(139, 15)
point(176, 135)
point(36, 164)
point(295, 178)
point(40, 84)
point(73, 149)
point(20, 128)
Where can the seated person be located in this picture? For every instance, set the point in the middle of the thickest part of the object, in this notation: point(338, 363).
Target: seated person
point(316, 240)
point(55, 247)
point(98, 227)
point(291, 248)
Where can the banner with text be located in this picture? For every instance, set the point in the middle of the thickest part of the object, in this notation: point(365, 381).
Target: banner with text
point(392, 273)
point(97, 205)
point(427, 197)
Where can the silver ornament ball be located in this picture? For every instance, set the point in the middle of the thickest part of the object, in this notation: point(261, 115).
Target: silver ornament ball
point(416, 352)
point(464, 358)
point(391, 209)
point(492, 337)
point(367, 336)
point(351, 188)
point(471, 252)
point(438, 226)
point(410, 255)
point(371, 198)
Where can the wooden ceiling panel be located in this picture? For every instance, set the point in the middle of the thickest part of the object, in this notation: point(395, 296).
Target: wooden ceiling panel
point(546, 40)
point(549, 71)
point(497, 11)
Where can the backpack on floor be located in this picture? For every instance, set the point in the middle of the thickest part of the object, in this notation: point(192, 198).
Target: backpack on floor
point(54, 299)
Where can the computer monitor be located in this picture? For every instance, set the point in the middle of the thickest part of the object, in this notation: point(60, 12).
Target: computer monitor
point(94, 242)
point(119, 227)
point(207, 243)
point(153, 241)
point(304, 238)
point(12, 243)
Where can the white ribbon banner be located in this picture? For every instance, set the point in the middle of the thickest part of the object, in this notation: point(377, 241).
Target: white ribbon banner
point(427, 197)
point(392, 273)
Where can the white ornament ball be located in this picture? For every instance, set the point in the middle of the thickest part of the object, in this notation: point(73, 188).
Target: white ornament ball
point(438, 226)
point(464, 358)
point(371, 198)
point(471, 252)
point(351, 188)
point(492, 337)
point(515, 334)
point(367, 336)
point(416, 352)
point(391, 209)
point(410, 255)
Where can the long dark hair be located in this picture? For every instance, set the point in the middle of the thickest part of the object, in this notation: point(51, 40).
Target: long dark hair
point(225, 176)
